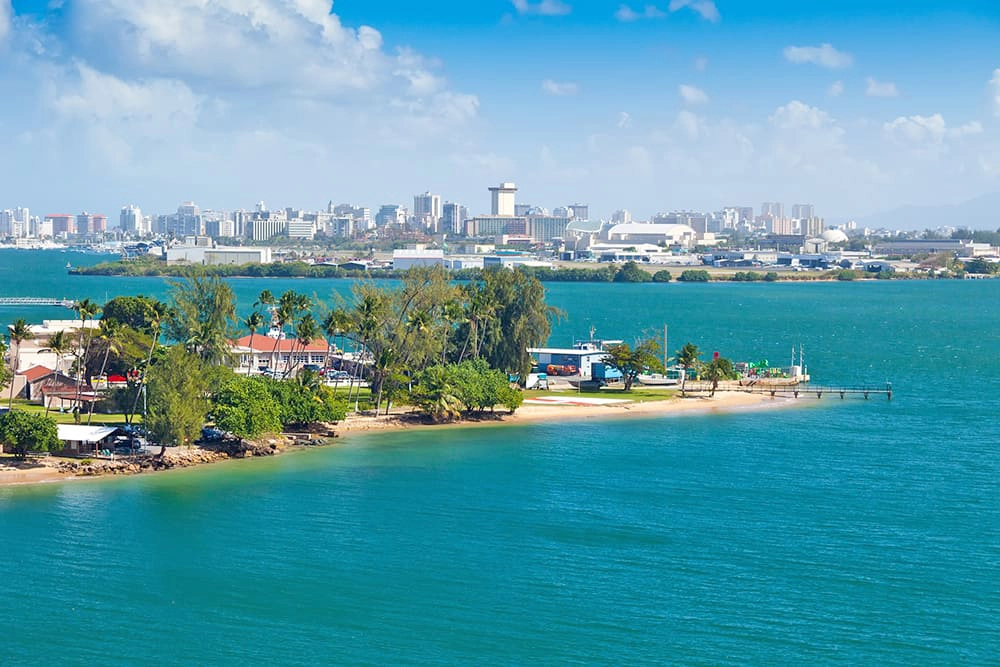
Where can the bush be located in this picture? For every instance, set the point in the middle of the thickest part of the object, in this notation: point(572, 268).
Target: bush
point(770, 276)
point(847, 274)
point(631, 273)
point(662, 276)
point(695, 276)
point(25, 432)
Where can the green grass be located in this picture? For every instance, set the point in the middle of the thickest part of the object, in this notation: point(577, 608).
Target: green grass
point(67, 417)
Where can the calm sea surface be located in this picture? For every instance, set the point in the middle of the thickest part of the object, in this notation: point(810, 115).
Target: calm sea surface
point(838, 532)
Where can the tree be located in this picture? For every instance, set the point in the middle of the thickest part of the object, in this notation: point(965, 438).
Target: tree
point(253, 322)
point(694, 276)
point(631, 362)
point(132, 311)
point(6, 373)
point(716, 370)
point(662, 276)
point(177, 393)
point(60, 344)
point(19, 332)
point(202, 317)
point(110, 334)
point(435, 395)
point(245, 407)
point(306, 331)
point(27, 432)
point(631, 273)
point(87, 310)
point(520, 319)
point(687, 358)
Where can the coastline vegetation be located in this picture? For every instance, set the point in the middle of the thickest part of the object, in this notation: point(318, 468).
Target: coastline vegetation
point(450, 350)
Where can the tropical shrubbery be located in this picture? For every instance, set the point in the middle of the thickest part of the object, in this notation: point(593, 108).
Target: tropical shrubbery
point(251, 406)
point(446, 392)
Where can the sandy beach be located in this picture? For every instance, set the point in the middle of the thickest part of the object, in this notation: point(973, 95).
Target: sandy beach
point(552, 408)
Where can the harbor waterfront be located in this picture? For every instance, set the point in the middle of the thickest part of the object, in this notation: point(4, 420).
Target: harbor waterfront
point(845, 531)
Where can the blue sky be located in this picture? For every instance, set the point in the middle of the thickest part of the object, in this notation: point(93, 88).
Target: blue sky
point(854, 106)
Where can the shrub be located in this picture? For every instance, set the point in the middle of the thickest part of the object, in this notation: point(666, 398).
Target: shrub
point(695, 276)
point(662, 276)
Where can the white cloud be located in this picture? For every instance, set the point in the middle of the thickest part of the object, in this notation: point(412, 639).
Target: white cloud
point(690, 124)
point(927, 130)
point(995, 91)
point(881, 88)
point(290, 46)
point(6, 12)
point(692, 94)
point(559, 89)
point(626, 14)
point(797, 115)
point(823, 55)
point(624, 120)
point(836, 89)
point(542, 7)
point(700, 64)
point(705, 8)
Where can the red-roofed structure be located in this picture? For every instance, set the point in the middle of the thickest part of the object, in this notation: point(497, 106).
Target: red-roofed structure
point(277, 355)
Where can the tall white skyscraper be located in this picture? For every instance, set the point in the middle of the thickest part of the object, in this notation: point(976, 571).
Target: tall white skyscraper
point(427, 210)
point(800, 211)
point(130, 220)
point(503, 199)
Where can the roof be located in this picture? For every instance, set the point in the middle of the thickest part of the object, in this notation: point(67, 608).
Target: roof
point(571, 351)
point(82, 433)
point(650, 228)
point(265, 344)
point(36, 373)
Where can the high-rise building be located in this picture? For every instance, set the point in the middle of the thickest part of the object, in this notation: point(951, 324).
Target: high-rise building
point(580, 211)
point(427, 210)
point(62, 224)
point(503, 199)
point(453, 217)
point(391, 214)
point(186, 222)
point(6, 222)
point(801, 211)
point(623, 216)
point(131, 221)
point(522, 209)
point(774, 209)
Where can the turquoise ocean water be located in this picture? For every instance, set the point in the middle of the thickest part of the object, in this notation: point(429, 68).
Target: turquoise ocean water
point(836, 532)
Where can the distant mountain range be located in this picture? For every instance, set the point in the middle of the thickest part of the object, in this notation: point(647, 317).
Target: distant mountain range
point(979, 213)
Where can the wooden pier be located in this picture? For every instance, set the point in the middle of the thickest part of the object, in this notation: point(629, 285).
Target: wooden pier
point(797, 390)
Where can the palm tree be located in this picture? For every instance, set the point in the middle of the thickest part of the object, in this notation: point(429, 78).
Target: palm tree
point(110, 332)
point(156, 313)
point(253, 322)
point(687, 357)
point(87, 310)
point(718, 369)
point(19, 332)
point(306, 331)
point(59, 344)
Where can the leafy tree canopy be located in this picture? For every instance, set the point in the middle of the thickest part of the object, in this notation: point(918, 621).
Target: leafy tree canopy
point(25, 432)
point(631, 362)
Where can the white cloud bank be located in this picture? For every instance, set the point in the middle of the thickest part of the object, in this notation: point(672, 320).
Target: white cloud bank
point(558, 89)
point(824, 55)
point(995, 91)
point(704, 8)
point(6, 12)
point(880, 88)
point(927, 129)
point(626, 14)
point(542, 8)
point(692, 94)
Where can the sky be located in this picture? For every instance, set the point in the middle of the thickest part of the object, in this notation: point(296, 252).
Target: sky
point(657, 105)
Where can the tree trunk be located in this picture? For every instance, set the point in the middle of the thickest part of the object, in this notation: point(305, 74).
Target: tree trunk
point(104, 366)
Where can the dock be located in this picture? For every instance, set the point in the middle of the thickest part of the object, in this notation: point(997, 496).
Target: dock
point(798, 390)
point(35, 301)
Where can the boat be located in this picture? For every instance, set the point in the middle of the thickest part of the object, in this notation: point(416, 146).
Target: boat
point(669, 377)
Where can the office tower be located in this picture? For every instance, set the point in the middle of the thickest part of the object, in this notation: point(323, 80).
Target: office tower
point(503, 199)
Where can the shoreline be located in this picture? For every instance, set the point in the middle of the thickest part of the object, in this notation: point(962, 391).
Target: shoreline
point(49, 472)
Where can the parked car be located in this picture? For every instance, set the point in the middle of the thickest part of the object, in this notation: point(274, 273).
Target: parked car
point(315, 368)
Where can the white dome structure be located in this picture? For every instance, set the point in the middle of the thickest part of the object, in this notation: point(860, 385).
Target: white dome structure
point(834, 236)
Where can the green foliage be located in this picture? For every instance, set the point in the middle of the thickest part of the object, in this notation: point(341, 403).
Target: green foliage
point(747, 277)
point(847, 274)
point(662, 276)
point(695, 276)
point(770, 276)
point(716, 370)
point(177, 390)
point(203, 316)
point(631, 273)
point(445, 392)
point(246, 407)
point(136, 312)
point(981, 266)
point(299, 404)
point(644, 357)
point(24, 432)
point(687, 358)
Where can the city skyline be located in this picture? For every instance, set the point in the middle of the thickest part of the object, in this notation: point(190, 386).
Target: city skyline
point(643, 106)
